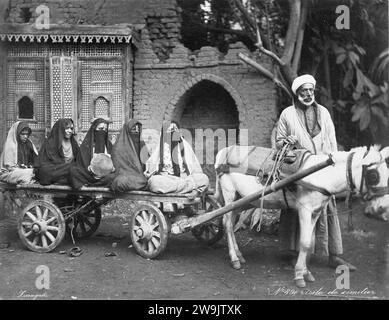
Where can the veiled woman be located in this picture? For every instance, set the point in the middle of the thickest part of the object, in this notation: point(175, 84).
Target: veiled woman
point(126, 156)
point(93, 166)
point(57, 154)
point(19, 155)
point(173, 166)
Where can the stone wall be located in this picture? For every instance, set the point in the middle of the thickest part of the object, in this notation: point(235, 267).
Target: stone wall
point(159, 86)
point(3, 53)
point(93, 11)
point(164, 69)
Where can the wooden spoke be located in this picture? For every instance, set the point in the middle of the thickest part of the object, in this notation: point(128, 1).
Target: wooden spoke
point(51, 220)
point(27, 234)
point(150, 248)
point(52, 228)
point(151, 218)
point(156, 234)
point(31, 216)
point(38, 212)
point(144, 216)
point(45, 213)
point(88, 222)
point(155, 242)
point(50, 236)
point(44, 241)
point(139, 219)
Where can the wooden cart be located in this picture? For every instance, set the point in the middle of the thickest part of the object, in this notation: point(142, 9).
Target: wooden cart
point(43, 222)
point(52, 211)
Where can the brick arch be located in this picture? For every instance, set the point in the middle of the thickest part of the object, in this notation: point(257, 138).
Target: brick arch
point(174, 102)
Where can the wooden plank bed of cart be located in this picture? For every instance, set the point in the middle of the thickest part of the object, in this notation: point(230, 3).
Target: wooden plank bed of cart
point(50, 212)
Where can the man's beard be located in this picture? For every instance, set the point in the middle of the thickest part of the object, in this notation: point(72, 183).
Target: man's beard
point(307, 101)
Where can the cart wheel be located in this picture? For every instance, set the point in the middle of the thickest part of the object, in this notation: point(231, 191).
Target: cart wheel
point(84, 224)
point(148, 230)
point(211, 232)
point(41, 226)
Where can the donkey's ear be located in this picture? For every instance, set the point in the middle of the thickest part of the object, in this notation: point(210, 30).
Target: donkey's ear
point(385, 152)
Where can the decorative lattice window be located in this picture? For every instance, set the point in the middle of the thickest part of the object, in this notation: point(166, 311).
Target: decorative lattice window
point(62, 80)
point(102, 79)
point(25, 108)
point(26, 92)
point(66, 80)
point(26, 75)
point(101, 107)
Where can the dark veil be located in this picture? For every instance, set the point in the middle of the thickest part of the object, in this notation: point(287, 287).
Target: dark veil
point(92, 140)
point(80, 174)
point(52, 167)
point(174, 140)
point(126, 158)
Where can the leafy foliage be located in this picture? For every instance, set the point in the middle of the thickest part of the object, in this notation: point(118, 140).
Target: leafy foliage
point(351, 66)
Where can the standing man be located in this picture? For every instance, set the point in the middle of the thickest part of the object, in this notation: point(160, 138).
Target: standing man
point(310, 124)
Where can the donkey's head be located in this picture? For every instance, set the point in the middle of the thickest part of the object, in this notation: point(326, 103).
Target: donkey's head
point(376, 176)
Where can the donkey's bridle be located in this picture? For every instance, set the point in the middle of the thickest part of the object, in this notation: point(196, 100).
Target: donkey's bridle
point(371, 191)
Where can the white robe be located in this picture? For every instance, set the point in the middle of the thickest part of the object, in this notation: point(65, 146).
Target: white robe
point(291, 122)
point(328, 233)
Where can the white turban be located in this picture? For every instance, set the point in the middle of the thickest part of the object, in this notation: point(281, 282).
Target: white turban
point(299, 81)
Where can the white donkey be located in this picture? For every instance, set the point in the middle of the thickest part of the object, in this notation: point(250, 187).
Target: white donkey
point(360, 169)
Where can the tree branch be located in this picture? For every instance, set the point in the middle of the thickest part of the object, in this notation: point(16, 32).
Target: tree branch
point(294, 21)
point(248, 19)
point(269, 53)
point(223, 30)
point(264, 72)
point(300, 36)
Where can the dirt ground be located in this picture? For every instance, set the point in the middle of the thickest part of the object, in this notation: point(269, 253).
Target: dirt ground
point(190, 270)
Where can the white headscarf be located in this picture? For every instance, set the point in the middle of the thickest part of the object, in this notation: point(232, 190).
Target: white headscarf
point(9, 156)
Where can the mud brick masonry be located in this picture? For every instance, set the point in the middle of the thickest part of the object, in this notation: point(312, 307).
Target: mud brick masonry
point(123, 59)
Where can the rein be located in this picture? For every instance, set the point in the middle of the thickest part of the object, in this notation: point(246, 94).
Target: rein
point(349, 172)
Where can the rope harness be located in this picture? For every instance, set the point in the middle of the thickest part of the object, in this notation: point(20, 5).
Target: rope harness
point(273, 176)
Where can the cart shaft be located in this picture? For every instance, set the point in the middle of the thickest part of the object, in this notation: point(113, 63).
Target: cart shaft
point(187, 224)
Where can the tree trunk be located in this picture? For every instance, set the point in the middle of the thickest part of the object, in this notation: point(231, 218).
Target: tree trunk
point(328, 80)
point(291, 34)
point(300, 36)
